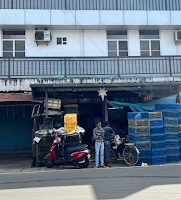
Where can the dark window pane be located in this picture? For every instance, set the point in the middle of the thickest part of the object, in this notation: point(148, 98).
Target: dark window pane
point(7, 54)
point(112, 53)
point(112, 45)
point(144, 45)
point(123, 53)
point(7, 45)
point(145, 53)
point(19, 54)
point(19, 45)
point(59, 40)
point(13, 34)
point(155, 45)
point(123, 45)
point(155, 53)
point(149, 34)
point(64, 39)
point(116, 34)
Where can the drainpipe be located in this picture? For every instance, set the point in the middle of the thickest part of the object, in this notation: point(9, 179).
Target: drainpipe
point(46, 103)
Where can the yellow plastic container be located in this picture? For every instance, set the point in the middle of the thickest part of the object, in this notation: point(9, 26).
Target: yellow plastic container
point(70, 122)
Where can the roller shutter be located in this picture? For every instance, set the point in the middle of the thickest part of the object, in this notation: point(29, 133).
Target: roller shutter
point(15, 127)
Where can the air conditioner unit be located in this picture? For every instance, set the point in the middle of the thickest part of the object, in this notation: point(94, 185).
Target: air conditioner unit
point(177, 36)
point(42, 36)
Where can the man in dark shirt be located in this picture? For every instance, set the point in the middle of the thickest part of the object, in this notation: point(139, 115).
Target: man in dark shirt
point(107, 147)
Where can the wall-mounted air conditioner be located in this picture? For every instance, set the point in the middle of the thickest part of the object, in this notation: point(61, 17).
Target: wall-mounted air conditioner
point(177, 36)
point(42, 36)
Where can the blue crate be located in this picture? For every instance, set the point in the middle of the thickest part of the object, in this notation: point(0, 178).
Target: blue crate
point(174, 150)
point(159, 160)
point(173, 158)
point(158, 145)
point(171, 114)
point(171, 136)
point(156, 123)
point(157, 130)
point(160, 106)
point(139, 138)
point(144, 153)
point(179, 120)
point(170, 128)
point(146, 145)
point(171, 121)
point(179, 135)
point(179, 113)
point(172, 143)
point(157, 137)
point(172, 106)
point(159, 152)
point(138, 115)
point(138, 130)
point(146, 159)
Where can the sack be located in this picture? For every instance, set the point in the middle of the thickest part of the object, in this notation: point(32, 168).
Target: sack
point(92, 139)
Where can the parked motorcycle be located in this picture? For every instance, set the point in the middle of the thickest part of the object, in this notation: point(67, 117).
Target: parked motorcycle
point(60, 155)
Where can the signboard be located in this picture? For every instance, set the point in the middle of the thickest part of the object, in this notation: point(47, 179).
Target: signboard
point(148, 98)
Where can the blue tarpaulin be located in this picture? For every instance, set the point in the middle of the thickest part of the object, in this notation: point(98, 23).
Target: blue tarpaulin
point(144, 107)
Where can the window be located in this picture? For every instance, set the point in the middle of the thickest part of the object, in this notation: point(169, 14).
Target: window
point(62, 41)
point(149, 43)
point(13, 43)
point(117, 43)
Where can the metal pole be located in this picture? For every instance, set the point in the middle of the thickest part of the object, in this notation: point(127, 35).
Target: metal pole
point(106, 109)
point(46, 95)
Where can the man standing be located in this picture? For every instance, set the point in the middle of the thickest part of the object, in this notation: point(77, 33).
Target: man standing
point(98, 134)
point(107, 147)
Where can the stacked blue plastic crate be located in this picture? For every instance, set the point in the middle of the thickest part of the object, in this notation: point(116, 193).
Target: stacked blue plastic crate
point(158, 143)
point(139, 133)
point(179, 129)
point(170, 115)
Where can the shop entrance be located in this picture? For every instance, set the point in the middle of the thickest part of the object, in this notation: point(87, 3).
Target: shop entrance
point(89, 113)
point(118, 119)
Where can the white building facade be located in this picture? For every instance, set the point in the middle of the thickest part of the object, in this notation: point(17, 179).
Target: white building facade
point(131, 49)
point(91, 42)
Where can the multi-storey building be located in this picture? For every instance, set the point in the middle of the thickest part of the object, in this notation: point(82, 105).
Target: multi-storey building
point(69, 49)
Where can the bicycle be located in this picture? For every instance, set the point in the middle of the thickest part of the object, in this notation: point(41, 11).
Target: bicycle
point(121, 149)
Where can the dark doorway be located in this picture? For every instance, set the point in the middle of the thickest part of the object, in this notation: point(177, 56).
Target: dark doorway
point(89, 113)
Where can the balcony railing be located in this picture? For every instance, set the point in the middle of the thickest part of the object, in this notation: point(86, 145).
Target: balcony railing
point(92, 4)
point(66, 67)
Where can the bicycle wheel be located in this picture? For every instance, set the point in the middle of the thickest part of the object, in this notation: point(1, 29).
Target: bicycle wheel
point(112, 156)
point(130, 155)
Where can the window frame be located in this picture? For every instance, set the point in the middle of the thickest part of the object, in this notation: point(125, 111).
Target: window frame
point(62, 40)
point(150, 40)
point(117, 40)
point(13, 46)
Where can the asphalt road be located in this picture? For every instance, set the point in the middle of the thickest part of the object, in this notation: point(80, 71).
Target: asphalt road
point(127, 183)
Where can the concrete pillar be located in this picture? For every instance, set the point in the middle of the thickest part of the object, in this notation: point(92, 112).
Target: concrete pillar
point(46, 103)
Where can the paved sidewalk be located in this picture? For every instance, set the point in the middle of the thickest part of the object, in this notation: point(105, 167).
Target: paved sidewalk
point(23, 165)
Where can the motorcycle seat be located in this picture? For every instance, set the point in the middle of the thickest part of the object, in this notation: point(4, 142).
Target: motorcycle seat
point(72, 149)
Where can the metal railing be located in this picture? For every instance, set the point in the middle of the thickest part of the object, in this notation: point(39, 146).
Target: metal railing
point(92, 4)
point(64, 67)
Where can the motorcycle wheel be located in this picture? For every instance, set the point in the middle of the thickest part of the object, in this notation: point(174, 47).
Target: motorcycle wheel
point(130, 155)
point(85, 164)
point(49, 162)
